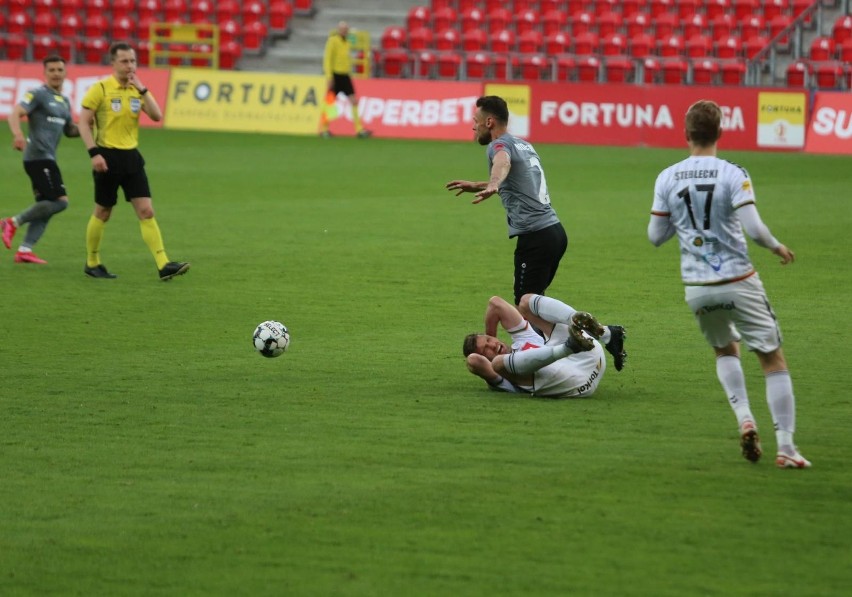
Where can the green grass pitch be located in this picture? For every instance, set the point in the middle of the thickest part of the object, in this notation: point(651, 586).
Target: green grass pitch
point(146, 449)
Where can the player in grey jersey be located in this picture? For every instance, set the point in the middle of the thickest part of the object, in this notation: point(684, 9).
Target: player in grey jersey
point(706, 202)
point(518, 177)
point(49, 115)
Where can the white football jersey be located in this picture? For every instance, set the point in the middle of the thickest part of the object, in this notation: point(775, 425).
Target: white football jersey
point(700, 196)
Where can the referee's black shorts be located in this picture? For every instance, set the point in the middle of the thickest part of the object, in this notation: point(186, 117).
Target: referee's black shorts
point(342, 84)
point(125, 170)
point(46, 179)
point(537, 256)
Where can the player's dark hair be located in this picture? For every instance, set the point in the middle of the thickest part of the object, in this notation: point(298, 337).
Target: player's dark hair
point(119, 45)
point(53, 58)
point(704, 123)
point(469, 345)
point(495, 106)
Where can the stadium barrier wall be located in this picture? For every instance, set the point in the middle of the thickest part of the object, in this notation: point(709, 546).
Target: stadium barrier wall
point(593, 114)
point(16, 78)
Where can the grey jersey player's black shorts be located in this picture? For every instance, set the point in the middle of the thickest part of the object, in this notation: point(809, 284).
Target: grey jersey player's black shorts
point(46, 179)
point(342, 84)
point(537, 257)
point(125, 170)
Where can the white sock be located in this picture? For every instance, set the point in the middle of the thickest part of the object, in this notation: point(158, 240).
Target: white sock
point(523, 362)
point(729, 370)
point(606, 336)
point(550, 309)
point(501, 384)
point(782, 405)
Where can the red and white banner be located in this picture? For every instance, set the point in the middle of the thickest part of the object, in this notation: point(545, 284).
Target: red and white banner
point(412, 109)
point(16, 78)
point(642, 115)
point(830, 128)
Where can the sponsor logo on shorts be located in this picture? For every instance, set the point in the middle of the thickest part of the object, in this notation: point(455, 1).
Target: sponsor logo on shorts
point(588, 385)
point(720, 307)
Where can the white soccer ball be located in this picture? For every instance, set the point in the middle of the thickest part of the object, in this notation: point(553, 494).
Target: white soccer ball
point(271, 338)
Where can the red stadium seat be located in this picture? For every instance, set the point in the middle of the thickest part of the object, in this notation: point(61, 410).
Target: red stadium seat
point(614, 44)
point(640, 46)
point(585, 44)
point(714, 8)
point(694, 25)
point(609, 23)
point(619, 69)
point(671, 46)
point(253, 10)
point(773, 8)
point(95, 7)
point(177, 10)
point(423, 63)
point(722, 25)
point(535, 67)
point(733, 72)
point(632, 7)
point(637, 23)
point(580, 22)
point(439, 4)
point(498, 19)
point(526, 20)
point(420, 38)
point(280, 15)
point(503, 41)
point(45, 24)
point(70, 25)
point(304, 7)
point(448, 39)
point(254, 37)
point(230, 53)
point(842, 29)
point(844, 51)
point(468, 4)
point(227, 10)
point(554, 21)
point(44, 7)
point(418, 16)
point(675, 71)
point(652, 70)
point(822, 48)
point(95, 26)
point(776, 26)
point(230, 31)
point(473, 20)
point(829, 75)
point(601, 7)
point(444, 18)
point(123, 28)
point(752, 26)
point(68, 7)
point(566, 68)
point(698, 46)
point(588, 69)
point(745, 8)
point(665, 25)
point(122, 8)
point(798, 74)
point(556, 43)
point(95, 50)
point(18, 22)
point(530, 42)
point(449, 64)
point(474, 40)
point(44, 46)
point(393, 37)
point(16, 46)
point(505, 66)
point(477, 65)
point(150, 9)
point(729, 46)
point(705, 72)
point(687, 8)
point(753, 45)
point(393, 62)
point(659, 7)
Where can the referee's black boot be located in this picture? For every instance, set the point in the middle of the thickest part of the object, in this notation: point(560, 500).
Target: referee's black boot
point(172, 269)
point(99, 271)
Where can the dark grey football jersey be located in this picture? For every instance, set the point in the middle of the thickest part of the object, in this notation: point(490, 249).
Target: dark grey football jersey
point(524, 192)
point(49, 116)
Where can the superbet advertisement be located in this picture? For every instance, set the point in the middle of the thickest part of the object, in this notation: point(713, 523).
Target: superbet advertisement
point(830, 129)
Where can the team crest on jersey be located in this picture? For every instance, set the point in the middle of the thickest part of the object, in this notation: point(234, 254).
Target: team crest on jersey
point(115, 104)
point(28, 97)
point(746, 185)
point(698, 241)
point(59, 99)
point(713, 261)
point(135, 104)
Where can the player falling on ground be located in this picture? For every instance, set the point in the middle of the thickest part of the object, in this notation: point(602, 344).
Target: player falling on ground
point(555, 349)
point(707, 202)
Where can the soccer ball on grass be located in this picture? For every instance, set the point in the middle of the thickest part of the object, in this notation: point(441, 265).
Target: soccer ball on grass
point(271, 338)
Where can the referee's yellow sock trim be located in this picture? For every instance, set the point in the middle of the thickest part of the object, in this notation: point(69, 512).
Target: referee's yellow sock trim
point(152, 237)
point(94, 234)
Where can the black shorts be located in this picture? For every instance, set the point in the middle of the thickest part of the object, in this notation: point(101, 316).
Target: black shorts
point(125, 169)
point(342, 84)
point(46, 179)
point(537, 256)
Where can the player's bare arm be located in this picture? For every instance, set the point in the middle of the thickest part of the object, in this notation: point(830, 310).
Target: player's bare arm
point(465, 186)
point(501, 312)
point(85, 125)
point(499, 171)
point(19, 141)
point(149, 104)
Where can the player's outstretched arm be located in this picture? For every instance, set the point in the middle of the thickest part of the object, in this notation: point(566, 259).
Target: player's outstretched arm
point(465, 186)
